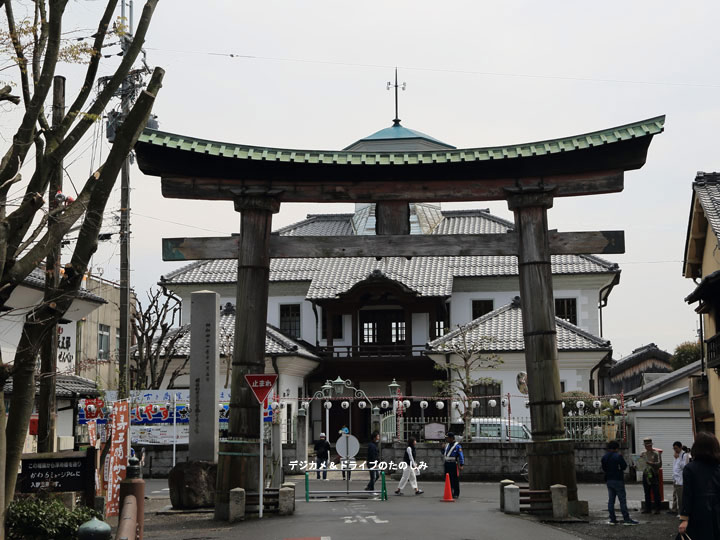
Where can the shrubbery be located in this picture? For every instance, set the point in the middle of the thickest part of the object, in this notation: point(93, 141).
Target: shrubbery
point(45, 519)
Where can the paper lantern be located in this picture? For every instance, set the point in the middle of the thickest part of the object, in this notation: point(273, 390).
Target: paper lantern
point(384, 404)
point(492, 403)
point(362, 404)
point(345, 404)
point(423, 404)
point(440, 405)
point(328, 404)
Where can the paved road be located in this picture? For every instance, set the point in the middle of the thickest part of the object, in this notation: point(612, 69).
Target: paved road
point(474, 515)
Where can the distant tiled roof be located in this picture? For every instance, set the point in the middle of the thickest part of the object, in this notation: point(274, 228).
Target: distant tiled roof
point(36, 280)
point(276, 343)
point(502, 330)
point(707, 189)
point(658, 384)
point(66, 386)
point(429, 276)
point(639, 355)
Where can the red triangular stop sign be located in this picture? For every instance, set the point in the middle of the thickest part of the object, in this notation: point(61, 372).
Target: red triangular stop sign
point(261, 385)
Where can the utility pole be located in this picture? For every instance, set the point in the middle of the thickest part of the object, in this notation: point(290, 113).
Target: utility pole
point(123, 353)
point(47, 406)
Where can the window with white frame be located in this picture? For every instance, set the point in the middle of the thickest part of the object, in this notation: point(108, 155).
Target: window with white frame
point(566, 309)
point(103, 342)
point(290, 320)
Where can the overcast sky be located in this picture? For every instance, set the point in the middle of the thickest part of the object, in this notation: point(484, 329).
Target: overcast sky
point(313, 74)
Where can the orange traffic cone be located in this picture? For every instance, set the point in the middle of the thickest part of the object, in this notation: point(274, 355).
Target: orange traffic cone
point(448, 491)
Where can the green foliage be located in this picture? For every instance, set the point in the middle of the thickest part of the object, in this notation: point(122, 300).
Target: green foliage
point(45, 519)
point(685, 353)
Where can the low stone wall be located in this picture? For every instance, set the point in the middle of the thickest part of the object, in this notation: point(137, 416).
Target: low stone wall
point(491, 461)
point(158, 457)
point(483, 461)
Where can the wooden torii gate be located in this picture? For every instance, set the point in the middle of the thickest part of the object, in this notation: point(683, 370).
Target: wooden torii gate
point(528, 176)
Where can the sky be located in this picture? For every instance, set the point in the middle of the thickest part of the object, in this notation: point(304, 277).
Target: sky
point(312, 75)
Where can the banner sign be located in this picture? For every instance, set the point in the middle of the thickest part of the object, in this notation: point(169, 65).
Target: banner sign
point(92, 433)
point(118, 457)
point(66, 348)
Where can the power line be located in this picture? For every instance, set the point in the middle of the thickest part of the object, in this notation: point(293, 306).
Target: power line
point(442, 70)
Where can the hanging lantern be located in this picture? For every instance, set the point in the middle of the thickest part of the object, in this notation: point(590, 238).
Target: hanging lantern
point(440, 405)
point(614, 402)
point(504, 402)
point(423, 404)
point(475, 404)
point(527, 404)
point(275, 405)
point(362, 404)
point(345, 404)
point(155, 409)
point(492, 403)
point(384, 404)
point(328, 404)
point(563, 404)
point(456, 404)
point(406, 403)
point(596, 404)
point(580, 405)
point(306, 405)
point(91, 409)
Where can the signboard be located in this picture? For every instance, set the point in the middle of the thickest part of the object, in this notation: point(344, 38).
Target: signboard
point(66, 347)
point(58, 472)
point(261, 385)
point(92, 433)
point(434, 432)
point(117, 459)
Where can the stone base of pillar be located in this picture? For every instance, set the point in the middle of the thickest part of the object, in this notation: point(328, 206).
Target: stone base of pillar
point(236, 505)
point(553, 462)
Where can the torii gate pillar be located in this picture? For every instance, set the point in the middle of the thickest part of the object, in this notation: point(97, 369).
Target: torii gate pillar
point(551, 457)
point(238, 459)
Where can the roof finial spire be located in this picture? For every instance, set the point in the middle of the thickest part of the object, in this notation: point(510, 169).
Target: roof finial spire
point(396, 120)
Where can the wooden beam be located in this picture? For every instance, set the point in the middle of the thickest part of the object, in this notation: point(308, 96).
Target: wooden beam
point(450, 245)
point(421, 189)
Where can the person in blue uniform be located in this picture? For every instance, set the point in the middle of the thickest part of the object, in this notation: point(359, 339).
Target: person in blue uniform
point(453, 460)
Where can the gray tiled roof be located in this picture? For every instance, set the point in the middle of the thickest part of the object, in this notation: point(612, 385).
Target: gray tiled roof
point(66, 386)
point(429, 276)
point(502, 330)
point(276, 343)
point(639, 355)
point(36, 280)
point(707, 189)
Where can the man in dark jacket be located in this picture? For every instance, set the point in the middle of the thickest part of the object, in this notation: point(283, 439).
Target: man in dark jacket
point(613, 463)
point(373, 455)
point(322, 456)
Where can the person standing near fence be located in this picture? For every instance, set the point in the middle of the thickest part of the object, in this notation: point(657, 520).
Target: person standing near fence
point(614, 465)
point(454, 460)
point(409, 470)
point(680, 459)
point(373, 455)
point(322, 456)
point(651, 475)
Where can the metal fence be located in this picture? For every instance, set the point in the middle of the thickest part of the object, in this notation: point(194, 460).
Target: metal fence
point(586, 428)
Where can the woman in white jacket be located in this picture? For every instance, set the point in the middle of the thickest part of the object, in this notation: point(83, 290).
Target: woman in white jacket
point(409, 470)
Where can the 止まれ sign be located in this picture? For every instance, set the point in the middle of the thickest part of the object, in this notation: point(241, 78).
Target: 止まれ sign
point(261, 385)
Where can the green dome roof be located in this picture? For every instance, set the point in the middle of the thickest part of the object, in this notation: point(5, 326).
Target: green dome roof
point(398, 133)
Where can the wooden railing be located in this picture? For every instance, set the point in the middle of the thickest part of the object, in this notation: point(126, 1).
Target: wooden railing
point(128, 524)
point(713, 351)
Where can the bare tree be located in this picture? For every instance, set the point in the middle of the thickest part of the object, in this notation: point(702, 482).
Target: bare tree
point(37, 49)
point(157, 340)
point(465, 357)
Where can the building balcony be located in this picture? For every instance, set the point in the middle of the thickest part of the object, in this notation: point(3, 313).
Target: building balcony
point(713, 351)
point(391, 351)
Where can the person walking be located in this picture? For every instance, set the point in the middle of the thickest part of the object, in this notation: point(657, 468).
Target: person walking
point(373, 455)
point(700, 509)
point(322, 456)
point(680, 459)
point(614, 465)
point(651, 475)
point(454, 460)
point(409, 470)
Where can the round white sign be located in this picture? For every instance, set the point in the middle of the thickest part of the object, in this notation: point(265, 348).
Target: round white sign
point(347, 446)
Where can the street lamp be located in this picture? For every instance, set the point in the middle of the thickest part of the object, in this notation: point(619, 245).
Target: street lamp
point(339, 385)
point(327, 388)
point(393, 387)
